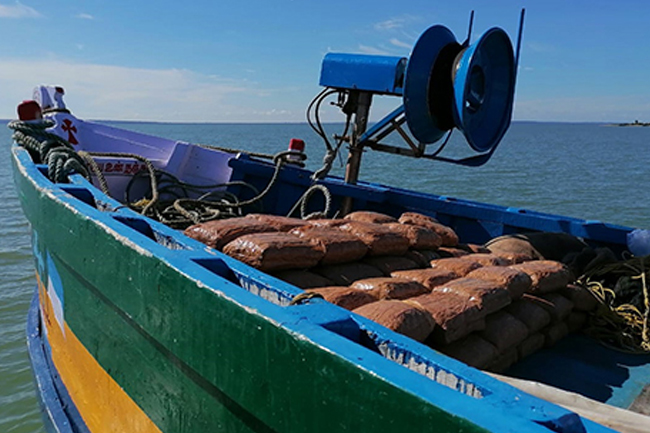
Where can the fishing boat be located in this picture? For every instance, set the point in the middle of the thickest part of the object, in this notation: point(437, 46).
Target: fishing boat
point(137, 326)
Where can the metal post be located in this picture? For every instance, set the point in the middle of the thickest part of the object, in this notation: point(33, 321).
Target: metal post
point(353, 164)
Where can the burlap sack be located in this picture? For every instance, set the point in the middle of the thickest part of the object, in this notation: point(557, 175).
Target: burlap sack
point(326, 222)
point(515, 282)
point(380, 240)
point(474, 248)
point(218, 233)
point(453, 313)
point(576, 321)
point(419, 237)
point(547, 275)
point(446, 252)
point(457, 265)
point(532, 315)
point(337, 246)
point(556, 305)
point(400, 317)
point(504, 331)
point(542, 245)
point(274, 251)
point(429, 278)
point(280, 223)
point(447, 234)
point(581, 297)
point(490, 296)
point(503, 361)
point(303, 279)
point(345, 297)
point(389, 264)
point(515, 245)
point(417, 219)
point(390, 288)
point(421, 257)
point(370, 217)
point(347, 273)
point(486, 259)
point(555, 333)
point(513, 258)
point(472, 350)
point(442, 337)
point(530, 345)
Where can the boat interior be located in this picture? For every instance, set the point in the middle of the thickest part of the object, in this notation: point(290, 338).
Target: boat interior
point(577, 363)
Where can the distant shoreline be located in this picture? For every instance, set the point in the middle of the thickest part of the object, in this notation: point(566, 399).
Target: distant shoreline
point(635, 123)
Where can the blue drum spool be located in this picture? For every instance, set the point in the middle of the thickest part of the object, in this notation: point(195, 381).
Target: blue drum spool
point(484, 87)
point(471, 88)
point(423, 94)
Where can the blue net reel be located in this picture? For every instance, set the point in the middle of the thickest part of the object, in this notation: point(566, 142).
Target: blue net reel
point(428, 85)
point(444, 85)
point(484, 88)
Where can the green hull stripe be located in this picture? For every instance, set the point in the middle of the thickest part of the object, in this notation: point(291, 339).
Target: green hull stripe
point(236, 409)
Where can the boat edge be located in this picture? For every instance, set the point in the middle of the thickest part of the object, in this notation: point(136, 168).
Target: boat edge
point(59, 413)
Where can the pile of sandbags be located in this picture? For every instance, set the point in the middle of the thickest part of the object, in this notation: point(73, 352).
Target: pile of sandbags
point(274, 243)
point(412, 275)
point(536, 317)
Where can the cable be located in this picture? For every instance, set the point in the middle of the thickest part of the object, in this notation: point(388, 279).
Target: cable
point(308, 114)
point(442, 146)
point(315, 104)
point(331, 151)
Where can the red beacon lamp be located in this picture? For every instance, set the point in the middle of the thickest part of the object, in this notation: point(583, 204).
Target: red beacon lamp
point(296, 145)
point(29, 110)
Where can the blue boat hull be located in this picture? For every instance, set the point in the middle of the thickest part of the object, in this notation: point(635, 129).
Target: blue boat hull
point(59, 412)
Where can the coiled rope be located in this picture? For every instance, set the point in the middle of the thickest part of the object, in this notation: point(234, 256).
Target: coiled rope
point(62, 160)
point(48, 148)
point(304, 200)
point(620, 323)
point(183, 211)
point(147, 204)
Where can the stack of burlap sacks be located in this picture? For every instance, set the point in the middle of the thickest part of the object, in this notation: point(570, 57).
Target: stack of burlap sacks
point(413, 276)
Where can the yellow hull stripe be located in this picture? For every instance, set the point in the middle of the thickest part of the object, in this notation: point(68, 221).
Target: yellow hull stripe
point(102, 403)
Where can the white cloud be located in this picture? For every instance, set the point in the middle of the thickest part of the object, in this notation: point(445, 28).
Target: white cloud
point(84, 16)
point(365, 49)
point(274, 112)
point(400, 44)
point(540, 47)
point(18, 10)
point(394, 23)
point(120, 93)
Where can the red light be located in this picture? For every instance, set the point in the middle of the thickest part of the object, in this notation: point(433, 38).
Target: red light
point(29, 110)
point(297, 144)
point(60, 90)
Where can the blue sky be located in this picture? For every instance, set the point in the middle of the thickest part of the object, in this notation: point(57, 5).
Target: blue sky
point(259, 60)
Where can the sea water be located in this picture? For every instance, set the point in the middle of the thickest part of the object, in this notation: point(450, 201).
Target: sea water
point(589, 171)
